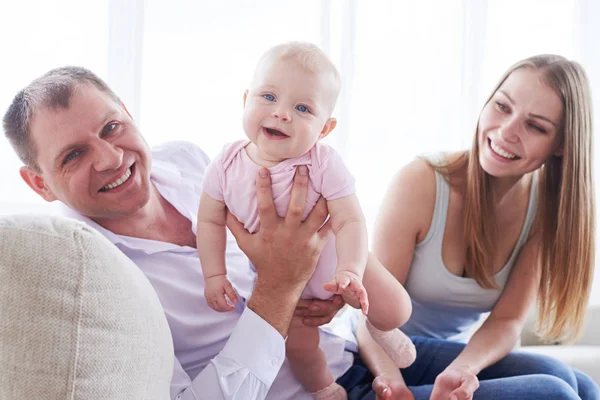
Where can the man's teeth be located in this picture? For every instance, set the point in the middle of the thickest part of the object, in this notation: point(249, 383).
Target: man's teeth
point(119, 181)
point(500, 151)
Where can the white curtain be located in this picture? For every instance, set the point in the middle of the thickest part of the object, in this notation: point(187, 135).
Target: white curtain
point(415, 72)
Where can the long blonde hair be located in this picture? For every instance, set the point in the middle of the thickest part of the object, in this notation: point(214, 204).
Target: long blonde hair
point(565, 216)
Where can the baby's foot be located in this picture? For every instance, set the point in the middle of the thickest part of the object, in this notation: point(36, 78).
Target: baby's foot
point(331, 392)
point(396, 344)
point(349, 285)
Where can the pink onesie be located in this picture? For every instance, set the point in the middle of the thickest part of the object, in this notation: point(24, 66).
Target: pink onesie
point(231, 178)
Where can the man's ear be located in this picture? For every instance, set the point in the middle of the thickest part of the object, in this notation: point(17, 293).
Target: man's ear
point(37, 183)
point(245, 97)
point(328, 127)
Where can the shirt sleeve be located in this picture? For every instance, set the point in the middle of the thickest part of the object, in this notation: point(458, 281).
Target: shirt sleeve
point(336, 179)
point(244, 370)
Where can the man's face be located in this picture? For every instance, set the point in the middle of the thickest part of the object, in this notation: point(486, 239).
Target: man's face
point(91, 157)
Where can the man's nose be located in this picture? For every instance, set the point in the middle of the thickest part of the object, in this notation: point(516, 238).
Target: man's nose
point(107, 156)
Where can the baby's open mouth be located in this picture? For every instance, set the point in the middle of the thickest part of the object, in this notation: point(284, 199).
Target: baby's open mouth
point(275, 132)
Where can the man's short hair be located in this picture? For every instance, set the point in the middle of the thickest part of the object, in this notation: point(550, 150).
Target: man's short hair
point(52, 90)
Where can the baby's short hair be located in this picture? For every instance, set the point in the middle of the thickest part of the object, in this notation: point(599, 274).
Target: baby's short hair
point(308, 56)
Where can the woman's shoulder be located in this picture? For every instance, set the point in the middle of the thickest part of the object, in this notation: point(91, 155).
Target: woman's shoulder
point(413, 187)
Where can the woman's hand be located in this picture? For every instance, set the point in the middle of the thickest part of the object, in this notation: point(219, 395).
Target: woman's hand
point(318, 312)
point(391, 388)
point(455, 383)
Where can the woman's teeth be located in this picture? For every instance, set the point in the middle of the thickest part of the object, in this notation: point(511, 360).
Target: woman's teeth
point(119, 181)
point(501, 152)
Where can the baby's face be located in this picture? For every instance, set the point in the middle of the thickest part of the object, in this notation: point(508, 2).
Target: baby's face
point(286, 109)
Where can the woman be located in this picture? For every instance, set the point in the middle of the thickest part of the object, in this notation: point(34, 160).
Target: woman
point(494, 229)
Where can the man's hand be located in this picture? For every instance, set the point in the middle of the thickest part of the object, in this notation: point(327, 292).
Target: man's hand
point(284, 251)
point(455, 383)
point(318, 312)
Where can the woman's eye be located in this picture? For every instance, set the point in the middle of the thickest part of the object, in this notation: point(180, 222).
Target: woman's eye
point(302, 108)
point(269, 97)
point(538, 128)
point(502, 107)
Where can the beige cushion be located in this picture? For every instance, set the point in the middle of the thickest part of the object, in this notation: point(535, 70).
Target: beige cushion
point(584, 358)
point(78, 320)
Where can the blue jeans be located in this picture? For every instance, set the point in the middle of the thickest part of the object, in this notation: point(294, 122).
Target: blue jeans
point(517, 376)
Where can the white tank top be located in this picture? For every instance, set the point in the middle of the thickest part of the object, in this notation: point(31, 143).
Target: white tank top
point(447, 306)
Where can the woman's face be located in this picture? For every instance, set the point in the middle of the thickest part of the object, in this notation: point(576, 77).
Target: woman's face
point(519, 128)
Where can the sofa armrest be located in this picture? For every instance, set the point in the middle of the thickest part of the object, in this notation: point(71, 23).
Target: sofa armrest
point(590, 335)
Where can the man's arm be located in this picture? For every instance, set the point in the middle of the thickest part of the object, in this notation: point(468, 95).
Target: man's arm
point(284, 252)
point(244, 369)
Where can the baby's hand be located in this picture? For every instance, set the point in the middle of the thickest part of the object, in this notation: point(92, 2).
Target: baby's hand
point(350, 286)
point(218, 291)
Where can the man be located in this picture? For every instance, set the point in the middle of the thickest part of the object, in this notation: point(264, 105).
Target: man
point(80, 146)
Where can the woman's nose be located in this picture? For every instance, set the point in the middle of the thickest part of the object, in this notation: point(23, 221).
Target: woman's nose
point(509, 131)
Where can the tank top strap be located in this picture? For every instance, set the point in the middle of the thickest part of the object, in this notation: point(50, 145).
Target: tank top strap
point(442, 198)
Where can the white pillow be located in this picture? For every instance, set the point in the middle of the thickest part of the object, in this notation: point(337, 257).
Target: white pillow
point(78, 320)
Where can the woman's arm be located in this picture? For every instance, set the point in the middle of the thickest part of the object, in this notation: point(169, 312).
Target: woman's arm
point(499, 333)
point(404, 217)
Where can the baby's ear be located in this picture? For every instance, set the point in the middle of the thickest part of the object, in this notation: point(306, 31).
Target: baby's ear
point(328, 127)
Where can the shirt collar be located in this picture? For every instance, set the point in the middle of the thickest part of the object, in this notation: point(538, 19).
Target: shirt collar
point(168, 181)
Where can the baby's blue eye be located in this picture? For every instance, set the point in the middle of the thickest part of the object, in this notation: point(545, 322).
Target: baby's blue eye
point(269, 97)
point(302, 108)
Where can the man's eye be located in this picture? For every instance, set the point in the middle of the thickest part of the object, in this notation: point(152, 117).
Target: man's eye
point(109, 128)
point(71, 156)
point(302, 108)
point(269, 97)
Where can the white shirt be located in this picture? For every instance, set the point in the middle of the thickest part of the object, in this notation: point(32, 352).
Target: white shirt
point(218, 355)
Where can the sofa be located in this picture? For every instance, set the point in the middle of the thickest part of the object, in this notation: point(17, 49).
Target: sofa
point(584, 354)
point(78, 320)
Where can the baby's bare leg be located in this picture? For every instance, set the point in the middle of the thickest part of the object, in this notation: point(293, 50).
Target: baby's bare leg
point(390, 308)
point(308, 362)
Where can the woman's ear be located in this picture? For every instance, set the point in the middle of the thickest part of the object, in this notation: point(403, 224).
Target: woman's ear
point(560, 151)
point(36, 182)
point(328, 127)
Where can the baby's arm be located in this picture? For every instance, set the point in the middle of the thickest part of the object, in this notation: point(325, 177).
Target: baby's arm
point(211, 242)
point(349, 227)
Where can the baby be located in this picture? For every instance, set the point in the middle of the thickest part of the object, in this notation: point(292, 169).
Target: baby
point(287, 111)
